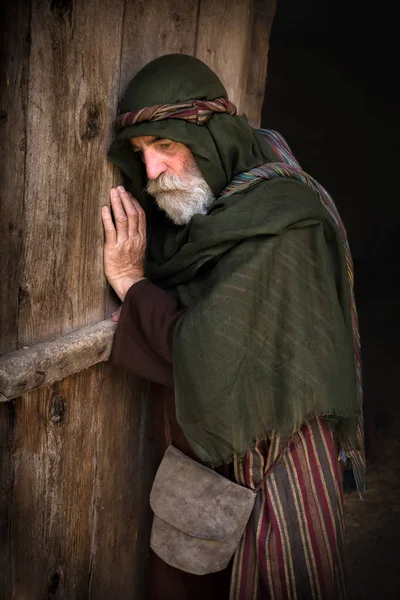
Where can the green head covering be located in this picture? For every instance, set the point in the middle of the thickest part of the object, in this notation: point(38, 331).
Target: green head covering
point(225, 146)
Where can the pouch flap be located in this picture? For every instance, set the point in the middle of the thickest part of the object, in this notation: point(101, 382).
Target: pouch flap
point(197, 500)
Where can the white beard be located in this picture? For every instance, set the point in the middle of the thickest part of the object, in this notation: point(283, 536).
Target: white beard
point(182, 197)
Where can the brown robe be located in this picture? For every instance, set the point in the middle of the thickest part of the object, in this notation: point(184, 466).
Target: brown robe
point(143, 345)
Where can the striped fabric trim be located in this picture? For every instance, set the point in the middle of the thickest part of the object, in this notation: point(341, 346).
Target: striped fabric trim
point(293, 545)
point(289, 167)
point(194, 111)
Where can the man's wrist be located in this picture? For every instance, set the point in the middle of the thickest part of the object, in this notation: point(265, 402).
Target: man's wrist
point(121, 286)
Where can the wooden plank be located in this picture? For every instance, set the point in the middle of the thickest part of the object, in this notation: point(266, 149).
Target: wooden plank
point(126, 464)
point(46, 362)
point(223, 43)
point(75, 56)
point(55, 452)
point(264, 12)
point(81, 469)
point(153, 28)
point(14, 53)
point(6, 478)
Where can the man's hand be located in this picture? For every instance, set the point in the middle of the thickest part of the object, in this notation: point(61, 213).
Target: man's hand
point(125, 244)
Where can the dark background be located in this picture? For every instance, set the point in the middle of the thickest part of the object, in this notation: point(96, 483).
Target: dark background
point(332, 92)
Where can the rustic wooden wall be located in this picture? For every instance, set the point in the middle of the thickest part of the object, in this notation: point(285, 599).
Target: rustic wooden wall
point(76, 457)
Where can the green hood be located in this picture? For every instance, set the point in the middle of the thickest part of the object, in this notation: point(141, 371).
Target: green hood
point(225, 146)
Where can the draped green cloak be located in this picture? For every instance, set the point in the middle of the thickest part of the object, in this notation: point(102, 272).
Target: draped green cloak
point(266, 342)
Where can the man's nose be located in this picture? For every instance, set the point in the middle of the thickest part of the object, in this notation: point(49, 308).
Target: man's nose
point(155, 164)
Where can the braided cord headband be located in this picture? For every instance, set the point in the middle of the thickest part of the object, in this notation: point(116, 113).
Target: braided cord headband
point(194, 111)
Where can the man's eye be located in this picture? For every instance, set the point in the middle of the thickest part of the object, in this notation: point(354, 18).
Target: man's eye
point(165, 145)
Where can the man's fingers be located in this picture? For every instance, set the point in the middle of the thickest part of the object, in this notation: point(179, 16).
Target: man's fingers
point(135, 213)
point(130, 209)
point(141, 216)
point(120, 217)
point(109, 229)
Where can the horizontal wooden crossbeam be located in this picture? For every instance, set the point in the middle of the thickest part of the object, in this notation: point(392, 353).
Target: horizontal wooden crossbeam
point(46, 362)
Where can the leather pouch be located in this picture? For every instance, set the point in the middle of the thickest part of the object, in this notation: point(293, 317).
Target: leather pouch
point(199, 515)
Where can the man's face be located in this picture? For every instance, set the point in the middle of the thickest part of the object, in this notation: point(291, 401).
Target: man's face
point(175, 180)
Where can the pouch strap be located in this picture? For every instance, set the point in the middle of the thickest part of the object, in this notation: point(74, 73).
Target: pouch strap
point(278, 459)
point(264, 479)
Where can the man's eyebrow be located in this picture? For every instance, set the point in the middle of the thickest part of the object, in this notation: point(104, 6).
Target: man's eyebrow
point(148, 143)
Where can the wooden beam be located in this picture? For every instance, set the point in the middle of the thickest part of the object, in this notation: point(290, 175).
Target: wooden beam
point(41, 364)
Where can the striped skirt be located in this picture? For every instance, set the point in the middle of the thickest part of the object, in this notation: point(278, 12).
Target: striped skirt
point(293, 544)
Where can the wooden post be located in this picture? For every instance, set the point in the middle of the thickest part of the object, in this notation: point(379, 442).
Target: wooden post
point(258, 60)
point(14, 51)
point(223, 42)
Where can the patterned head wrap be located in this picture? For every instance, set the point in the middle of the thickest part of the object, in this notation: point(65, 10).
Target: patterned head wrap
point(180, 98)
point(194, 111)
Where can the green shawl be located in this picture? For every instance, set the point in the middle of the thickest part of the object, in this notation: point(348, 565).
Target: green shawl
point(266, 342)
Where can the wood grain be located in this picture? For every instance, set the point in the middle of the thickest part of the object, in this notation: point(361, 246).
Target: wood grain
point(153, 28)
point(263, 16)
point(14, 56)
point(126, 464)
point(81, 470)
point(223, 43)
point(73, 82)
point(6, 478)
point(54, 465)
point(14, 53)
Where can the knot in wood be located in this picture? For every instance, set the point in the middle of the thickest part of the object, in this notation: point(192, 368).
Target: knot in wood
point(92, 123)
point(57, 408)
point(54, 583)
point(62, 9)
